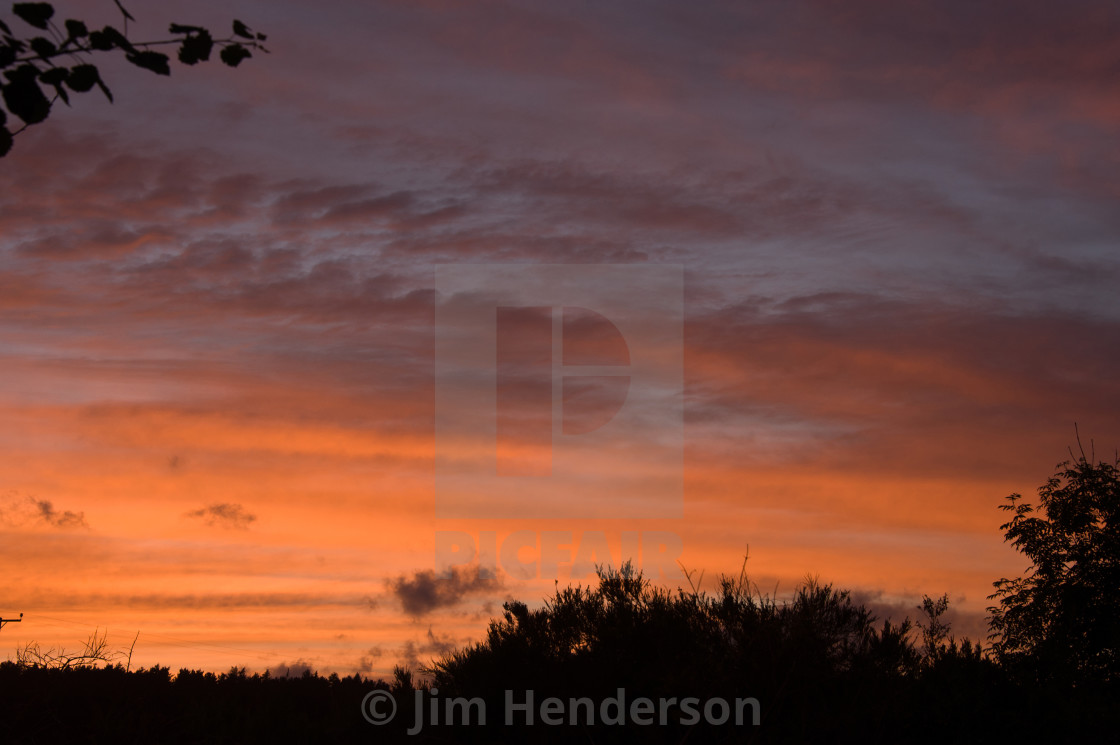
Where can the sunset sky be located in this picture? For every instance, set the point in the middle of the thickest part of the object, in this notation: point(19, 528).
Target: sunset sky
point(896, 224)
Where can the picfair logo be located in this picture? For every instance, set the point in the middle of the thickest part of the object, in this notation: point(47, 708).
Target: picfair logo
point(558, 391)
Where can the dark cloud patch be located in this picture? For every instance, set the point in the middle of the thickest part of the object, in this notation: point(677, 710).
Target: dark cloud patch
point(425, 591)
point(64, 519)
point(30, 511)
point(296, 669)
point(433, 646)
point(305, 202)
point(367, 661)
point(224, 515)
point(56, 519)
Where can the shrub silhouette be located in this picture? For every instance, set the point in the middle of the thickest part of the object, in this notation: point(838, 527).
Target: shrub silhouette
point(818, 664)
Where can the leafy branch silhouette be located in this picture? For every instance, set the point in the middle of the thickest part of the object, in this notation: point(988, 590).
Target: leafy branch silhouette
point(30, 64)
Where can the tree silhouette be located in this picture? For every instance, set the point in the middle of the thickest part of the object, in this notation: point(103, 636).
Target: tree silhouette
point(32, 64)
point(1061, 621)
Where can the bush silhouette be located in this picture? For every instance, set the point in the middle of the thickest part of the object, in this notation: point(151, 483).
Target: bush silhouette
point(818, 664)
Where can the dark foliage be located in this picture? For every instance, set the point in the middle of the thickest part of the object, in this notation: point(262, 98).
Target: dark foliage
point(820, 667)
point(32, 66)
point(110, 705)
point(1060, 622)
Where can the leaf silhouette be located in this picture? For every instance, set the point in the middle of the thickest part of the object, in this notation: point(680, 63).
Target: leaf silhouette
point(36, 14)
point(82, 78)
point(43, 47)
point(76, 29)
point(108, 38)
point(196, 48)
point(154, 61)
point(240, 29)
point(233, 54)
point(23, 97)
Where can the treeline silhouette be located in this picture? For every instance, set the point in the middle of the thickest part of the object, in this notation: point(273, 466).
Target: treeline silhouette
point(819, 666)
point(816, 667)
